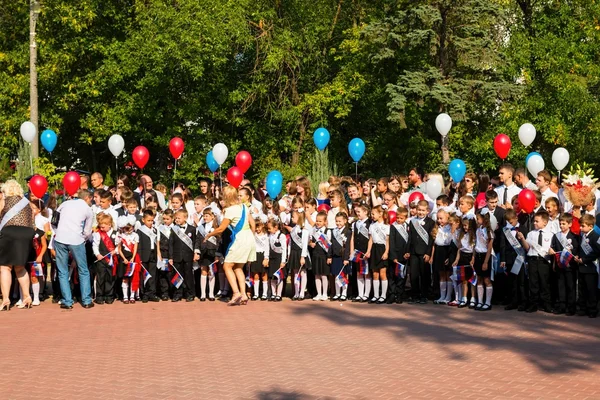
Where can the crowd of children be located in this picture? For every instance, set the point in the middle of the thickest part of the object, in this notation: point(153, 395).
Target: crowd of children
point(459, 249)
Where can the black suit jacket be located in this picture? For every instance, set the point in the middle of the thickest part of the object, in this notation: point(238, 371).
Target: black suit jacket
point(588, 266)
point(398, 246)
point(416, 245)
point(145, 248)
point(178, 250)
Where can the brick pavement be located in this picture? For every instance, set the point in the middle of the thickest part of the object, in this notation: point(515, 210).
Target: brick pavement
point(295, 350)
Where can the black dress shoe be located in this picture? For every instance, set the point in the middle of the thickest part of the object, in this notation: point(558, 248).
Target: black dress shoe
point(558, 311)
point(88, 305)
point(511, 307)
point(412, 301)
point(399, 301)
point(99, 300)
point(202, 298)
point(593, 315)
point(531, 309)
point(176, 299)
point(547, 310)
point(165, 298)
point(356, 300)
point(211, 299)
point(521, 308)
point(423, 301)
point(55, 300)
point(581, 313)
point(66, 307)
point(144, 299)
point(154, 299)
point(110, 300)
point(189, 299)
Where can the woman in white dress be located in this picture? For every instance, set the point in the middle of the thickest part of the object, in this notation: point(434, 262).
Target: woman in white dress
point(242, 249)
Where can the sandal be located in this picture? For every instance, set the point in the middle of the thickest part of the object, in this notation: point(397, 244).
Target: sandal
point(235, 300)
point(244, 301)
point(485, 307)
point(453, 303)
point(478, 307)
point(462, 304)
point(472, 305)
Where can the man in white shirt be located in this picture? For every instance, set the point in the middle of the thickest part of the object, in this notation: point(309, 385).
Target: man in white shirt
point(508, 189)
point(543, 183)
point(74, 228)
point(522, 179)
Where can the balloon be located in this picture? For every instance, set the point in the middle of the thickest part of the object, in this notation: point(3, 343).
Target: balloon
point(356, 148)
point(28, 131)
point(415, 197)
point(535, 164)
point(392, 216)
point(38, 186)
point(443, 124)
point(210, 161)
point(324, 207)
point(220, 153)
point(176, 147)
point(321, 138)
point(116, 145)
point(502, 145)
point(273, 183)
point(243, 160)
point(527, 134)
point(457, 170)
point(527, 200)
point(235, 176)
point(140, 156)
point(560, 158)
point(433, 188)
point(48, 139)
point(71, 182)
point(533, 153)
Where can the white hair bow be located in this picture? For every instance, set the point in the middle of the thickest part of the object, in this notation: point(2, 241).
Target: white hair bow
point(384, 207)
point(469, 216)
point(300, 210)
point(484, 211)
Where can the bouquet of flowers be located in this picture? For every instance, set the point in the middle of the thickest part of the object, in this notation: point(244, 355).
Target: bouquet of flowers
point(579, 185)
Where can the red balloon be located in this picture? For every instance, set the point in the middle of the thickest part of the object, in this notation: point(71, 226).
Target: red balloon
point(140, 155)
point(38, 186)
point(243, 160)
point(176, 147)
point(502, 145)
point(392, 216)
point(415, 197)
point(527, 201)
point(235, 176)
point(71, 182)
point(324, 207)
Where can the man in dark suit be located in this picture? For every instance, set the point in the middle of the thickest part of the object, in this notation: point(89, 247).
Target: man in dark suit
point(420, 247)
point(181, 250)
point(147, 250)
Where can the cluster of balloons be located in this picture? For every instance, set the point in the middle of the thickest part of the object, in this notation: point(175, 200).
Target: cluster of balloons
point(48, 137)
point(235, 175)
point(356, 147)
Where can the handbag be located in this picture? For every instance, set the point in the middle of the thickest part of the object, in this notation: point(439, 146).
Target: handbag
point(55, 218)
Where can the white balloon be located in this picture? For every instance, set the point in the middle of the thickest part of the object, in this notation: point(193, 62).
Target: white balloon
point(28, 131)
point(535, 164)
point(443, 124)
point(560, 158)
point(433, 188)
point(116, 145)
point(220, 153)
point(527, 134)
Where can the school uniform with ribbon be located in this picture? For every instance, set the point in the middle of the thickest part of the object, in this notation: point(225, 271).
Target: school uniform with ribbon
point(147, 250)
point(589, 251)
point(539, 241)
point(104, 244)
point(566, 248)
point(163, 268)
point(513, 255)
point(360, 237)
point(379, 235)
point(322, 239)
point(421, 244)
point(398, 248)
point(181, 250)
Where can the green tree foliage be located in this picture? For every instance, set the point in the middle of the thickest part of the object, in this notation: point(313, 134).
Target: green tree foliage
point(263, 75)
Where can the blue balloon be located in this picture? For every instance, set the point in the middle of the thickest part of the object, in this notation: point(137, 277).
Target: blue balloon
point(273, 184)
point(321, 138)
point(533, 153)
point(48, 139)
point(210, 161)
point(457, 170)
point(356, 148)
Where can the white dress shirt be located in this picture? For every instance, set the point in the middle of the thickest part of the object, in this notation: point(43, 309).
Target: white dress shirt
point(75, 224)
point(513, 190)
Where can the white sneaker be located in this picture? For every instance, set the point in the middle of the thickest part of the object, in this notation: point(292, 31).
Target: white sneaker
point(317, 298)
point(19, 303)
point(36, 302)
point(324, 297)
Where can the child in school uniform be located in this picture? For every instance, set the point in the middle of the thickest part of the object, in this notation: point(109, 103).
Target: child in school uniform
point(455, 228)
point(399, 255)
point(163, 255)
point(421, 244)
point(104, 246)
point(42, 228)
point(338, 204)
point(378, 252)
point(320, 241)
point(587, 283)
point(299, 260)
point(484, 240)
point(259, 267)
point(148, 251)
point(360, 243)
point(466, 257)
point(565, 265)
point(181, 251)
point(128, 251)
point(207, 253)
point(36, 264)
point(512, 259)
point(339, 254)
point(277, 259)
point(537, 243)
point(442, 234)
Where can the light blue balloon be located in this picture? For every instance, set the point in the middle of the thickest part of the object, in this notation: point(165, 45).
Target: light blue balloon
point(48, 139)
point(274, 183)
point(457, 170)
point(213, 165)
point(321, 138)
point(356, 148)
point(533, 153)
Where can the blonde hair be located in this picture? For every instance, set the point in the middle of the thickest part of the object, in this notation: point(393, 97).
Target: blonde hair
point(230, 196)
point(12, 188)
point(323, 186)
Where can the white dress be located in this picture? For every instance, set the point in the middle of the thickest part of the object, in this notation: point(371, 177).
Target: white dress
point(243, 247)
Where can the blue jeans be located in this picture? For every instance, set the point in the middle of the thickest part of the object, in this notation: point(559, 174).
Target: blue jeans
point(62, 262)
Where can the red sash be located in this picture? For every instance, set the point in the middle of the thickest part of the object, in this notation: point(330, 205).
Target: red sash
point(110, 246)
point(37, 245)
point(135, 279)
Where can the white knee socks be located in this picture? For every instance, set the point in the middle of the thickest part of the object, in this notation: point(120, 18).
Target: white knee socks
point(325, 283)
point(35, 287)
point(384, 288)
point(203, 286)
point(375, 288)
point(367, 286)
point(265, 287)
point(449, 286)
point(480, 293)
point(489, 290)
point(360, 283)
point(442, 291)
point(303, 283)
point(125, 289)
point(256, 288)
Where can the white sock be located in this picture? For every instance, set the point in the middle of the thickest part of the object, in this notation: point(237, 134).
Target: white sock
point(449, 287)
point(325, 282)
point(345, 291)
point(480, 293)
point(297, 279)
point(125, 289)
point(203, 286)
point(489, 290)
point(256, 288)
point(273, 287)
point(337, 287)
point(367, 286)
point(360, 283)
point(384, 288)
point(318, 285)
point(265, 285)
point(35, 287)
point(280, 288)
point(303, 283)
point(211, 286)
point(442, 290)
point(375, 288)
point(458, 291)
point(222, 281)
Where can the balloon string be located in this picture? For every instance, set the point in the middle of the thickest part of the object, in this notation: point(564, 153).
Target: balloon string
point(221, 178)
point(356, 173)
point(174, 173)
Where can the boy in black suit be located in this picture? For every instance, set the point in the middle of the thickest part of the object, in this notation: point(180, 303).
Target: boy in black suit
point(510, 250)
point(565, 268)
point(420, 247)
point(398, 254)
point(181, 251)
point(589, 251)
point(147, 249)
point(164, 233)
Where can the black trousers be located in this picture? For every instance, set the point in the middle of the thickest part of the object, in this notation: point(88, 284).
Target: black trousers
point(566, 289)
point(353, 285)
point(518, 288)
point(539, 282)
point(150, 285)
point(162, 283)
point(105, 282)
point(188, 289)
point(420, 277)
point(395, 284)
point(588, 285)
